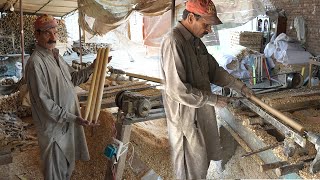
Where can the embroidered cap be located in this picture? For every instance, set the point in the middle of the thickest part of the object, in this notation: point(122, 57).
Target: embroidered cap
point(204, 8)
point(45, 22)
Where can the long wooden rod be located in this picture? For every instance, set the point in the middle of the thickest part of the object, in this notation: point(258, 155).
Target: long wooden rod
point(96, 86)
point(173, 13)
point(101, 85)
point(295, 125)
point(93, 82)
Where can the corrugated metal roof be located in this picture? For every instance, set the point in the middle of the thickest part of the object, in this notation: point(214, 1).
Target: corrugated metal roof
point(57, 8)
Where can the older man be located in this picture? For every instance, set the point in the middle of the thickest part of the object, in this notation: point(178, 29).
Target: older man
point(55, 108)
point(188, 69)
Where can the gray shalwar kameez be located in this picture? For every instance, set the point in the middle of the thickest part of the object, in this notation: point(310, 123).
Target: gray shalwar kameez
point(51, 82)
point(187, 70)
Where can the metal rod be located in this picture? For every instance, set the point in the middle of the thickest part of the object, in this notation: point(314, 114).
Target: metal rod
point(262, 149)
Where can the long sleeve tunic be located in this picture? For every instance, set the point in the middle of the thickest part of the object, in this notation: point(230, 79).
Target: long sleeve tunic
point(54, 103)
point(187, 70)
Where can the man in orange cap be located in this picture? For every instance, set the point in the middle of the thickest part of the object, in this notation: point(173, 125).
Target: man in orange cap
point(188, 70)
point(54, 103)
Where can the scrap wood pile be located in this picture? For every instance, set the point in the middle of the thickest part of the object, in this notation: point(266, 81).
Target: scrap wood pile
point(13, 134)
point(13, 104)
point(252, 40)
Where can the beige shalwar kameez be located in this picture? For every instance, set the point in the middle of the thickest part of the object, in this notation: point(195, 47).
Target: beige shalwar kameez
point(51, 82)
point(187, 70)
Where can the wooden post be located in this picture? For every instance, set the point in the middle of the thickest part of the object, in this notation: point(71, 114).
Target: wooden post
point(22, 38)
point(125, 138)
point(173, 13)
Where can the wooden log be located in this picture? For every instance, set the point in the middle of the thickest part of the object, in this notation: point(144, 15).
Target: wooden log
point(93, 82)
point(295, 125)
point(101, 85)
point(96, 86)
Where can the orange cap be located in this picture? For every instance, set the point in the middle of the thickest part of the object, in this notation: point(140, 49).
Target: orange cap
point(45, 22)
point(204, 8)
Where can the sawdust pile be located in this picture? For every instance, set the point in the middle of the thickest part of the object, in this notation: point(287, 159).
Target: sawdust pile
point(97, 139)
point(149, 139)
point(152, 146)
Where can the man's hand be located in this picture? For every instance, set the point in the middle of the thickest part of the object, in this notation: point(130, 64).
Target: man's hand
point(223, 101)
point(247, 92)
point(109, 58)
point(94, 61)
point(82, 122)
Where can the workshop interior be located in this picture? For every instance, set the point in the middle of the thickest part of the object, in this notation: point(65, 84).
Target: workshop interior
point(271, 46)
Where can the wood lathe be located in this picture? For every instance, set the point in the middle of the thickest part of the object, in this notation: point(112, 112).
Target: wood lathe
point(282, 121)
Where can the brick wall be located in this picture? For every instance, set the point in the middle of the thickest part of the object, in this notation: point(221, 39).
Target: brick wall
point(304, 8)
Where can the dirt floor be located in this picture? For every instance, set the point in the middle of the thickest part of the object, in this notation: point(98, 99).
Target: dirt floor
point(149, 154)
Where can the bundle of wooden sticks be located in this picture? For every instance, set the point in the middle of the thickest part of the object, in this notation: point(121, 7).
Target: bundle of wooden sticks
point(96, 89)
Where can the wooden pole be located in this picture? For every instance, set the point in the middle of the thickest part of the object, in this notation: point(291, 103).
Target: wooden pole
point(80, 43)
point(22, 37)
point(173, 13)
point(101, 85)
point(93, 82)
point(96, 86)
point(279, 115)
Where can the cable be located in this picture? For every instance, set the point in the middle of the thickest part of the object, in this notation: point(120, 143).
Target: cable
point(131, 157)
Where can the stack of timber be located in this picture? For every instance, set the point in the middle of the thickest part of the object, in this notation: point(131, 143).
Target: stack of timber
point(12, 104)
point(10, 28)
point(252, 40)
point(13, 134)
